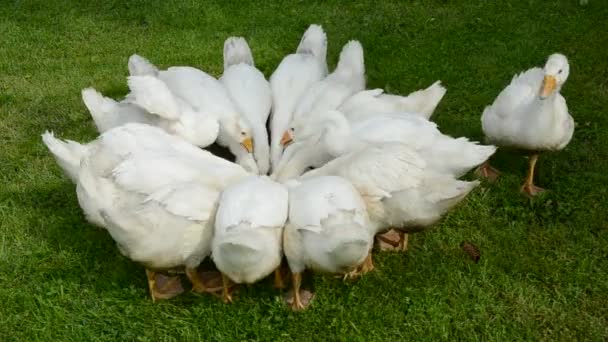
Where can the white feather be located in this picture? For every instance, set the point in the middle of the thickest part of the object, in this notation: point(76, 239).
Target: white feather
point(367, 103)
point(250, 93)
point(520, 118)
point(328, 227)
point(153, 95)
point(139, 66)
point(248, 229)
point(294, 75)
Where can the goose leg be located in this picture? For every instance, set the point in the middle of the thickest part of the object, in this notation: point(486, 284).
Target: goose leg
point(529, 187)
point(486, 171)
point(403, 242)
point(393, 240)
point(279, 282)
point(163, 287)
point(366, 266)
point(226, 296)
point(204, 282)
point(297, 301)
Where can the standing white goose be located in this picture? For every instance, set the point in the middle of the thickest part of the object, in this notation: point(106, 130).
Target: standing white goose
point(328, 229)
point(251, 94)
point(247, 245)
point(205, 93)
point(294, 75)
point(154, 193)
point(531, 114)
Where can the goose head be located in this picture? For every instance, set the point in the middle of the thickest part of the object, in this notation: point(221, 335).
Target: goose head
point(302, 128)
point(556, 72)
point(240, 131)
point(330, 126)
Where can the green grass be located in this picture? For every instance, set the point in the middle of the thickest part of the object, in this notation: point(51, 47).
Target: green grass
point(543, 274)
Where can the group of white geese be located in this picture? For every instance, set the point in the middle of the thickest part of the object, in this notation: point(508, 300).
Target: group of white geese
point(378, 164)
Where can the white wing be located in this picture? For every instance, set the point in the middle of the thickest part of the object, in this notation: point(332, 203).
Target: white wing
point(143, 158)
point(295, 74)
point(255, 200)
point(193, 201)
point(249, 90)
point(153, 95)
point(521, 91)
point(200, 90)
point(407, 128)
point(317, 198)
point(252, 96)
point(347, 79)
point(377, 170)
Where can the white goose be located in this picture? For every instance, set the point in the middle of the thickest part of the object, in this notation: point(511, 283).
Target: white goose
point(155, 194)
point(368, 102)
point(399, 188)
point(294, 75)
point(251, 94)
point(209, 97)
point(329, 93)
point(531, 114)
point(328, 229)
point(163, 110)
point(330, 135)
point(247, 245)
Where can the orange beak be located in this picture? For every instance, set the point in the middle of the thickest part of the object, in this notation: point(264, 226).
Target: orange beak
point(247, 143)
point(549, 85)
point(286, 139)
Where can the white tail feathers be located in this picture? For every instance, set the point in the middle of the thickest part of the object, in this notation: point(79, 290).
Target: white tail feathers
point(422, 101)
point(415, 209)
point(236, 51)
point(247, 255)
point(432, 96)
point(458, 156)
point(139, 66)
point(351, 58)
point(67, 154)
point(153, 95)
point(341, 248)
point(314, 42)
point(446, 193)
point(100, 107)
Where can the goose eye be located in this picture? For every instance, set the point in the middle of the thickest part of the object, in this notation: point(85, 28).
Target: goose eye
point(243, 133)
point(292, 129)
point(560, 71)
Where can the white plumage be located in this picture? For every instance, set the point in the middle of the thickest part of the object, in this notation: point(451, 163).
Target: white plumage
point(250, 93)
point(380, 163)
point(331, 135)
point(367, 103)
point(292, 78)
point(155, 194)
point(531, 114)
point(329, 93)
point(328, 229)
point(520, 118)
point(151, 102)
point(399, 188)
point(247, 245)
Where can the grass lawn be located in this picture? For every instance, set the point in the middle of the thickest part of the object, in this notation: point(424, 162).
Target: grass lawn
point(543, 274)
